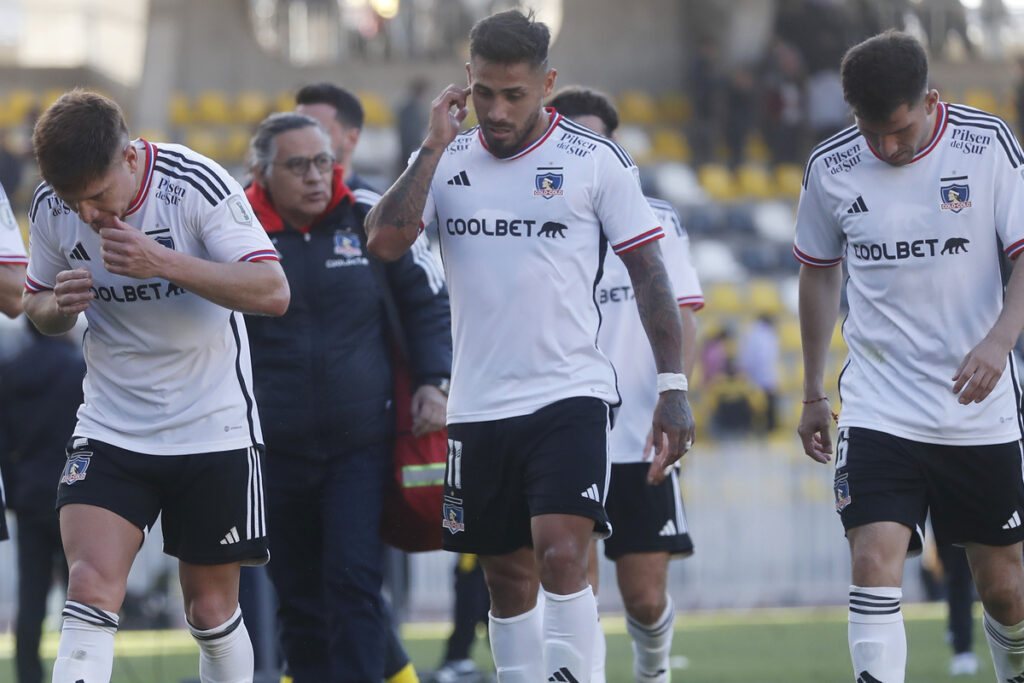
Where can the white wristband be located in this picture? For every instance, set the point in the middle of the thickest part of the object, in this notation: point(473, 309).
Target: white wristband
point(672, 381)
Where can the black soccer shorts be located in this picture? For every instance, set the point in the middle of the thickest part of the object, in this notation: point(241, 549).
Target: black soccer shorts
point(646, 518)
point(501, 473)
point(212, 503)
point(975, 493)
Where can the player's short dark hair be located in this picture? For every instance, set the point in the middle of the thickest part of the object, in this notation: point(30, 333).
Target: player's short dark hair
point(263, 145)
point(78, 138)
point(882, 73)
point(510, 38)
point(572, 101)
point(348, 107)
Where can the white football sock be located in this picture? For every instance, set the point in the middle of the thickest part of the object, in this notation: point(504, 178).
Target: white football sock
point(1007, 646)
point(515, 644)
point(569, 625)
point(652, 645)
point(86, 650)
point(225, 651)
point(878, 641)
point(597, 674)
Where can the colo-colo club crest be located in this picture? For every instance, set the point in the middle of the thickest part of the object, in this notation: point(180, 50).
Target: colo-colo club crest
point(548, 184)
point(955, 197)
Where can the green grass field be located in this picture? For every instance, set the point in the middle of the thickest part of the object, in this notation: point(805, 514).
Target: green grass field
point(758, 646)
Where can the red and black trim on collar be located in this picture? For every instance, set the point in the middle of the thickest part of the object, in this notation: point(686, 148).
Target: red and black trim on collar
point(263, 205)
point(147, 178)
point(553, 118)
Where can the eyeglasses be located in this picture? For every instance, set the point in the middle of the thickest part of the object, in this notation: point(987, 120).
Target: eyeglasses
point(300, 165)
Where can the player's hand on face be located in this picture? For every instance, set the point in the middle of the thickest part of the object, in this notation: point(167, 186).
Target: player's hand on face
point(429, 410)
point(447, 112)
point(814, 426)
point(126, 251)
point(979, 371)
point(674, 429)
point(73, 291)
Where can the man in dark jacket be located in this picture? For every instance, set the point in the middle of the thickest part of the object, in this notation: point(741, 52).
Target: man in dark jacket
point(323, 376)
point(40, 389)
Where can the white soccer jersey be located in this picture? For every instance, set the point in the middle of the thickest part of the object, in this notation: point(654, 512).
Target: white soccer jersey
point(922, 248)
point(168, 371)
point(522, 241)
point(12, 248)
point(623, 338)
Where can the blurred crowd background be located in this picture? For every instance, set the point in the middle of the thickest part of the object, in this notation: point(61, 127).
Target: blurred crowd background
point(720, 101)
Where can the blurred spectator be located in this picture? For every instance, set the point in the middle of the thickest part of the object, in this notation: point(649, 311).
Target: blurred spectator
point(715, 354)
point(11, 166)
point(413, 115)
point(759, 360)
point(707, 87)
point(40, 389)
point(960, 598)
point(472, 603)
point(323, 382)
point(741, 105)
point(827, 111)
point(783, 104)
point(737, 405)
point(940, 18)
point(1019, 96)
point(341, 114)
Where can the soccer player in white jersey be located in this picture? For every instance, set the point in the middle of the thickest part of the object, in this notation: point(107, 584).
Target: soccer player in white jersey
point(649, 521)
point(526, 205)
point(918, 197)
point(159, 249)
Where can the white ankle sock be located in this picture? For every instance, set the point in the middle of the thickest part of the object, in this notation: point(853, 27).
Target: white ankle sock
point(516, 643)
point(1006, 643)
point(569, 625)
point(878, 641)
point(225, 651)
point(652, 645)
point(86, 650)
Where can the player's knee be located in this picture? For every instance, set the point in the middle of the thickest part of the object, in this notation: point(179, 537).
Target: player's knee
point(209, 610)
point(88, 584)
point(1003, 600)
point(645, 606)
point(563, 567)
point(873, 567)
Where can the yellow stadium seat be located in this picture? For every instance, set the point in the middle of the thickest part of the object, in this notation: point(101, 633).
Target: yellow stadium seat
point(763, 296)
point(725, 298)
point(284, 100)
point(376, 109)
point(204, 140)
point(15, 105)
point(837, 343)
point(674, 108)
point(181, 112)
point(236, 144)
point(152, 134)
point(251, 106)
point(52, 95)
point(212, 107)
point(756, 149)
point(668, 144)
point(788, 180)
point(754, 181)
point(981, 98)
point(718, 182)
point(789, 336)
point(637, 107)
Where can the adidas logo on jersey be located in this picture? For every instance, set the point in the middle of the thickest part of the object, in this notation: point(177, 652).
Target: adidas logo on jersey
point(79, 253)
point(230, 537)
point(591, 493)
point(461, 179)
point(563, 675)
point(858, 206)
point(669, 529)
point(1013, 522)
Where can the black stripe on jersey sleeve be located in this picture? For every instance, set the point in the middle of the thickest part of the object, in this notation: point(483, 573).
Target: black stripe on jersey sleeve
point(42, 192)
point(206, 169)
point(966, 116)
point(585, 132)
point(191, 180)
point(843, 137)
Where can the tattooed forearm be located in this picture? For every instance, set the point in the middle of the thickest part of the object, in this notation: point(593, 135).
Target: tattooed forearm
point(657, 305)
point(393, 224)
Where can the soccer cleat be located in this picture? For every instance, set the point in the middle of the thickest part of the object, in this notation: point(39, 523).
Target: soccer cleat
point(456, 671)
point(963, 664)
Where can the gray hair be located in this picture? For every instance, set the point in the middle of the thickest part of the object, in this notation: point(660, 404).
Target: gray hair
point(263, 146)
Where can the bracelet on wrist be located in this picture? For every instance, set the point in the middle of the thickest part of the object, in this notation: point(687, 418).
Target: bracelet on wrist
point(815, 400)
point(672, 381)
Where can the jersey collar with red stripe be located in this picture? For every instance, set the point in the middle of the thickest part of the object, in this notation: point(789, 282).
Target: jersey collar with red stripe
point(147, 178)
point(553, 118)
point(272, 222)
point(940, 127)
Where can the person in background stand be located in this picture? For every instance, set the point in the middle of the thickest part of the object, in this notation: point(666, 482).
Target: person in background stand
point(341, 115)
point(470, 609)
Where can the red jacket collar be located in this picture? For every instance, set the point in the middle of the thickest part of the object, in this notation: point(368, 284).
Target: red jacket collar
point(272, 222)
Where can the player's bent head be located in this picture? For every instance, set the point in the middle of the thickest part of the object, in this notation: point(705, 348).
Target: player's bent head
point(588, 107)
point(78, 139)
point(510, 38)
point(348, 109)
point(883, 73)
point(263, 145)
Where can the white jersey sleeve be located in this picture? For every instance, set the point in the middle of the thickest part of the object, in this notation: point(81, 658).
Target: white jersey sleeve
point(1009, 200)
point(626, 218)
point(47, 259)
point(675, 251)
point(12, 248)
point(819, 238)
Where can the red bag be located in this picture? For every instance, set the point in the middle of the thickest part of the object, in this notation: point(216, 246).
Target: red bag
point(411, 518)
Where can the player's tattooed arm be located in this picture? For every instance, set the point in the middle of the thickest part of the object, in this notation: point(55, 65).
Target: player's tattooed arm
point(673, 426)
point(394, 223)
